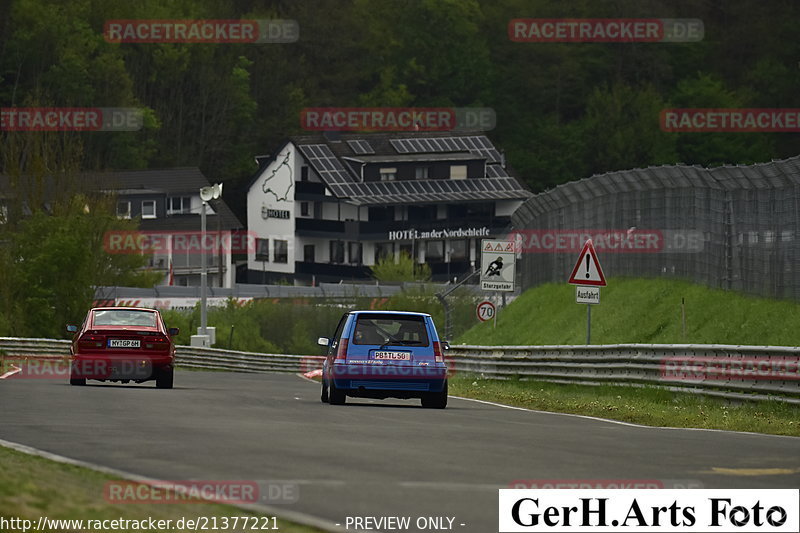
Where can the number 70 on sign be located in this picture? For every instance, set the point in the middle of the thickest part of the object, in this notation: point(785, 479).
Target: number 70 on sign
point(485, 311)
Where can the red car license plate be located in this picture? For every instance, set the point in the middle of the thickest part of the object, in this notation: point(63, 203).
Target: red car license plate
point(124, 343)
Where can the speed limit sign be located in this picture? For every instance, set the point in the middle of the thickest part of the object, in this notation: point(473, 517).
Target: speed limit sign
point(485, 311)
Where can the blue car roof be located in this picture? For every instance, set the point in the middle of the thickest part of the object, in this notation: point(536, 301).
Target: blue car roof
point(384, 312)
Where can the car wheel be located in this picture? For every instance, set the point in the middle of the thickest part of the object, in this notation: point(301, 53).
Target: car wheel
point(164, 379)
point(78, 382)
point(324, 395)
point(436, 400)
point(335, 396)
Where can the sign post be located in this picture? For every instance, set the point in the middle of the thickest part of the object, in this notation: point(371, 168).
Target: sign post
point(498, 262)
point(588, 276)
point(498, 267)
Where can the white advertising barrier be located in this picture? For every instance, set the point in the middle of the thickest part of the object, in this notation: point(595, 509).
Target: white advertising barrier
point(177, 303)
point(640, 511)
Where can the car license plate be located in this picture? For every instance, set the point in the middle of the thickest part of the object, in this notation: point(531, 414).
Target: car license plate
point(124, 343)
point(393, 356)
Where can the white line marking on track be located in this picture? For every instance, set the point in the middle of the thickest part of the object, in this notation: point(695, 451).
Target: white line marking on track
point(598, 419)
point(451, 486)
point(619, 422)
point(294, 516)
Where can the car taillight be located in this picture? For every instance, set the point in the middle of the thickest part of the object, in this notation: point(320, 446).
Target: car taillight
point(341, 352)
point(438, 356)
point(155, 343)
point(91, 341)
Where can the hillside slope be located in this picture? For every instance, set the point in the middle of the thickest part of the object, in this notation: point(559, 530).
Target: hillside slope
point(641, 311)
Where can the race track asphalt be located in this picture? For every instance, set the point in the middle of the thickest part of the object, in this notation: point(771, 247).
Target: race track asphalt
point(369, 458)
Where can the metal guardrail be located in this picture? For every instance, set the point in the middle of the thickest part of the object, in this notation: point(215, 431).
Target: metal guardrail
point(215, 359)
point(187, 356)
point(727, 371)
point(733, 372)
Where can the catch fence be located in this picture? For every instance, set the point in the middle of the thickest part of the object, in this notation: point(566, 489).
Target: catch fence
point(730, 227)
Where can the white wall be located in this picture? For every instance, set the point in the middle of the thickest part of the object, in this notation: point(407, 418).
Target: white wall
point(330, 211)
point(281, 173)
point(348, 211)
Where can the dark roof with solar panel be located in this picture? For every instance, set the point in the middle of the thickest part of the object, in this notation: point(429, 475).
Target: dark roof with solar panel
point(326, 156)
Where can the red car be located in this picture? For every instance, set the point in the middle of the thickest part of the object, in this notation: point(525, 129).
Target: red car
point(122, 344)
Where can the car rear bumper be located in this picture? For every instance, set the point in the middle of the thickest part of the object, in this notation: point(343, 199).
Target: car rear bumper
point(383, 381)
point(135, 367)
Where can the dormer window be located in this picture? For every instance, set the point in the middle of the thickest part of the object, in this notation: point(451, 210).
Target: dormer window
point(148, 209)
point(123, 209)
point(388, 174)
point(179, 204)
point(458, 172)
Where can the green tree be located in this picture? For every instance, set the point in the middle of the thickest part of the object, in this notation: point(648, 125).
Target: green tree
point(622, 129)
point(430, 50)
point(400, 268)
point(52, 263)
point(709, 148)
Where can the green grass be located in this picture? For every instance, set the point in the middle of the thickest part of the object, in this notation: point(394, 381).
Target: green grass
point(641, 311)
point(647, 406)
point(32, 487)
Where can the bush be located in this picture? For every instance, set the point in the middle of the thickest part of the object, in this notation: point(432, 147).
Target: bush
point(400, 268)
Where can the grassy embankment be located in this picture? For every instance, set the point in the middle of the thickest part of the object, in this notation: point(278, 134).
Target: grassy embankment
point(639, 311)
point(33, 487)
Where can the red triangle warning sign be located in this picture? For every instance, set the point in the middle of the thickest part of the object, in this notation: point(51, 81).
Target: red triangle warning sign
point(587, 270)
point(488, 247)
point(498, 247)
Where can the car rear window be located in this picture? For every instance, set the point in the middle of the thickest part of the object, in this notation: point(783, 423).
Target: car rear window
point(393, 329)
point(124, 317)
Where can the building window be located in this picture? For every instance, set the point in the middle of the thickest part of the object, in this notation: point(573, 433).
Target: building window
point(458, 250)
point(309, 253)
point(388, 174)
point(304, 209)
point(179, 204)
point(421, 173)
point(123, 209)
point(434, 251)
point(304, 173)
point(262, 250)
point(383, 250)
point(380, 214)
point(337, 251)
point(281, 251)
point(354, 251)
point(458, 172)
point(421, 213)
point(148, 209)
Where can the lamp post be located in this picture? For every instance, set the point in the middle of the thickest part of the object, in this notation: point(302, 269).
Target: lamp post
point(206, 194)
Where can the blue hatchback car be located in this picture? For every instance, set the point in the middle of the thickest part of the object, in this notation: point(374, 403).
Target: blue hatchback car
point(385, 354)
